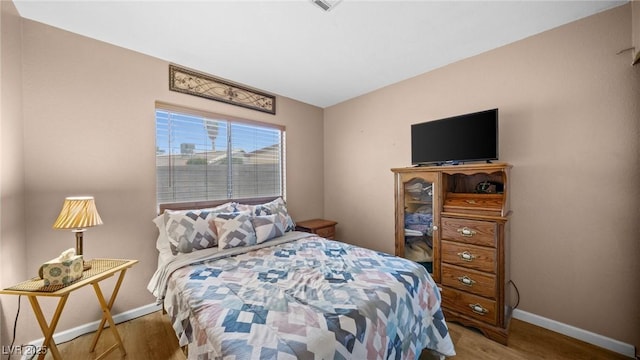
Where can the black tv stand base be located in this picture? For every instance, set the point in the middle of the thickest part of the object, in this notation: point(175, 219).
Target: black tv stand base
point(449, 163)
point(446, 163)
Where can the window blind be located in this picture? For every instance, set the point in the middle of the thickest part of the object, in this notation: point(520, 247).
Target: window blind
point(201, 157)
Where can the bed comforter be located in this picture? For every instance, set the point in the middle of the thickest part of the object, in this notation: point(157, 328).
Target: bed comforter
point(304, 297)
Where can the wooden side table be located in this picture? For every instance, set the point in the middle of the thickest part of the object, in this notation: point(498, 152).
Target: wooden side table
point(101, 269)
point(320, 227)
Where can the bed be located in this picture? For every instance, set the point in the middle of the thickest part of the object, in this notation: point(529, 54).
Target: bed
point(238, 282)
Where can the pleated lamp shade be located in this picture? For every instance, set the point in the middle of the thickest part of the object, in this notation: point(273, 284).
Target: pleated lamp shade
point(78, 212)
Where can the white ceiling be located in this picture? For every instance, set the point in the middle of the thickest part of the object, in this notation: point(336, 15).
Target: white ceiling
point(295, 49)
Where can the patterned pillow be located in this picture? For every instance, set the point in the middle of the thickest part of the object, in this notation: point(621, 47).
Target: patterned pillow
point(191, 230)
point(237, 207)
point(267, 227)
point(172, 241)
point(276, 207)
point(234, 229)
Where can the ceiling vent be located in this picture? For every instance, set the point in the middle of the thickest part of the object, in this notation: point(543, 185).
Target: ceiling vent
point(326, 5)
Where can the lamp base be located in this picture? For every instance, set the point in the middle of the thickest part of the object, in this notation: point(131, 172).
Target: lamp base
point(85, 265)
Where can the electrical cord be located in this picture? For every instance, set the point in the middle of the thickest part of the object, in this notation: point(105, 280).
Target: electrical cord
point(517, 294)
point(15, 326)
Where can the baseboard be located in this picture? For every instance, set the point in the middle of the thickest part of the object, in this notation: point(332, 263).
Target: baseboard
point(577, 333)
point(68, 335)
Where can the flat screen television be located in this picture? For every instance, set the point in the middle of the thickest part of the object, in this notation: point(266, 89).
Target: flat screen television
point(457, 139)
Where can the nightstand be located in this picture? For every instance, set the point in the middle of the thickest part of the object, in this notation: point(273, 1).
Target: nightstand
point(320, 227)
point(101, 269)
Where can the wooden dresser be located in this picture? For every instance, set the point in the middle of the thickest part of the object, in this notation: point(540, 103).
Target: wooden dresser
point(462, 212)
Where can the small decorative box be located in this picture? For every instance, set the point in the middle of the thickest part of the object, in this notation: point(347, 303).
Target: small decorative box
point(56, 272)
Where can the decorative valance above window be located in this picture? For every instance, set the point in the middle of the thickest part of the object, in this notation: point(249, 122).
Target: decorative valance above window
point(206, 86)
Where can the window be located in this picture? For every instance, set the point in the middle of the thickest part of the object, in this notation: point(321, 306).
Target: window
point(203, 156)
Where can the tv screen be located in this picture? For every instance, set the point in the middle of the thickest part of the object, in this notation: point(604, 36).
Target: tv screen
point(469, 137)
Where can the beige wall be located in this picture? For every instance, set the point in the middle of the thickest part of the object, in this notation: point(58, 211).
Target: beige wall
point(635, 26)
point(88, 110)
point(569, 124)
point(12, 231)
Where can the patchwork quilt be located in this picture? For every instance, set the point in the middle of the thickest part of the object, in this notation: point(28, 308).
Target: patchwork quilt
point(310, 298)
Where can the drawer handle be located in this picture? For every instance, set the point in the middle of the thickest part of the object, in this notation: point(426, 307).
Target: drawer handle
point(466, 256)
point(465, 231)
point(478, 309)
point(465, 280)
point(470, 201)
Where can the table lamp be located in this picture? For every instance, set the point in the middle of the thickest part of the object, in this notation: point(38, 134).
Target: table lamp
point(78, 213)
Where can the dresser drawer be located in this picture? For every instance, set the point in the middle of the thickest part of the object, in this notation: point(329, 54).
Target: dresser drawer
point(469, 256)
point(469, 231)
point(470, 305)
point(487, 204)
point(327, 232)
point(472, 281)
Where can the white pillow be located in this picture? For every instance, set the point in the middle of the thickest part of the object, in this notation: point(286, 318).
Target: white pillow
point(162, 243)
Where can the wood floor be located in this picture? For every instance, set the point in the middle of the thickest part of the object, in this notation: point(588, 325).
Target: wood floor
point(151, 338)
